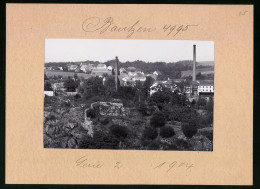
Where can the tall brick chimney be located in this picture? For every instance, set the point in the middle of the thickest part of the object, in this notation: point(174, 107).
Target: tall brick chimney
point(116, 72)
point(194, 64)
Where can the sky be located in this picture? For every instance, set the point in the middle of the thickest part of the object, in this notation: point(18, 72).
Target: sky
point(72, 50)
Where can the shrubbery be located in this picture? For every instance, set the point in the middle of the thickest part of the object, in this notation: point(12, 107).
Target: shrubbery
point(100, 140)
point(92, 113)
point(157, 120)
point(189, 129)
point(167, 132)
point(119, 131)
point(208, 134)
point(150, 133)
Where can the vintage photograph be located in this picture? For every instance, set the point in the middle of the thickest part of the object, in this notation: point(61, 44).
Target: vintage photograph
point(128, 94)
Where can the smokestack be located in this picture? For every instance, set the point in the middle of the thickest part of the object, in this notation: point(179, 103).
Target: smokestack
point(116, 72)
point(194, 63)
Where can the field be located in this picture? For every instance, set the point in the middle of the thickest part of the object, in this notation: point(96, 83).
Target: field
point(65, 74)
point(202, 70)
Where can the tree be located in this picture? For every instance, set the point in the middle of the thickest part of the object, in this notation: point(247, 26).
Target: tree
point(70, 85)
point(150, 133)
point(92, 86)
point(100, 140)
point(189, 129)
point(167, 132)
point(65, 68)
point(47, 86)
point(147, 84)
point(157, 120)
point(45, 77)
point(118, 131)
point(110, 84)
point(210, 105)
point(138, 84)
point(160, 97)
point(201, 102)
point(199, 76)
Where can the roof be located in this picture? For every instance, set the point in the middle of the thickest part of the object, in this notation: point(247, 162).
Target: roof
point(131, 68)
point(101, 66)
point(158, 72)
point(206, 83)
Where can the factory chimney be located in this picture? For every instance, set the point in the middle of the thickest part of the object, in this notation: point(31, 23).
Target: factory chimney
point(194, 64)
point(116, 73)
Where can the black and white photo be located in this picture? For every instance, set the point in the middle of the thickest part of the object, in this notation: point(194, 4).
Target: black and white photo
point(128, 94)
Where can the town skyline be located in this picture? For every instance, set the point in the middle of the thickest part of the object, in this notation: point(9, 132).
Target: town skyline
point(168, 51)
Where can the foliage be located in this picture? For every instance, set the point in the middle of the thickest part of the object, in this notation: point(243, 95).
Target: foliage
point(93, 86)
point(71, 84)
point(143, 109)
point(92, 113)
point(201, 102)
point(45, 77)
point(100, 140)
point(159, 97)
point(154, 145)
point(104, 120)
point(167, 132)
point(119, 131)
point(210, 105)
point(146, 85)
point(47, 86)
point(77, 96)
point(150, 133)
point(189, 129)
point(110, 84)
point(157, 120)
point(199, 76)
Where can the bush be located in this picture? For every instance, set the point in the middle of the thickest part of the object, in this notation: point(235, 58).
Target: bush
point(104, 120)
point(77, 96)
point(100, 140)
point(91, 113)
point(189, 129)
point(157, 120)
point(167, 132)
point(154, 145)
point(150, 133)
point(182, 144)
point(143, 109)
point(119, 131)
point(208, 134)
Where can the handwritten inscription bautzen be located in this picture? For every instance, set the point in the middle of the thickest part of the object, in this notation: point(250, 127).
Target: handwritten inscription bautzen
point(102, 26)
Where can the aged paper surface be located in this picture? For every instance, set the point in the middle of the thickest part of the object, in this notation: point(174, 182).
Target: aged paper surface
point(231, 29)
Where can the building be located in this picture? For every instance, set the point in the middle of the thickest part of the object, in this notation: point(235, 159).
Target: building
point(152, 76)
point(100, 70)
point(139, 77)
point(178, 80)
point(48, 93)
point(158, 86)
point(86, 68)
point(206, 87)
point(58, 87)
point(122, 70)
point(48, 68)
point(101, 66)
point(131, 69)
point(109, 68)
point(72, 67)
point(157, 73)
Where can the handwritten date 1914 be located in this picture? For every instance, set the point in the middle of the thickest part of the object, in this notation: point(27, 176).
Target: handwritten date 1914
point(170, 166)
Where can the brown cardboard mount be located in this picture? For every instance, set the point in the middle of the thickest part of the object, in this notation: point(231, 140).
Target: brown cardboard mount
point(230, 163)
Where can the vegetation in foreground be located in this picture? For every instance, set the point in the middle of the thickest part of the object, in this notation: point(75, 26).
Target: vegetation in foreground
point(163, 121)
